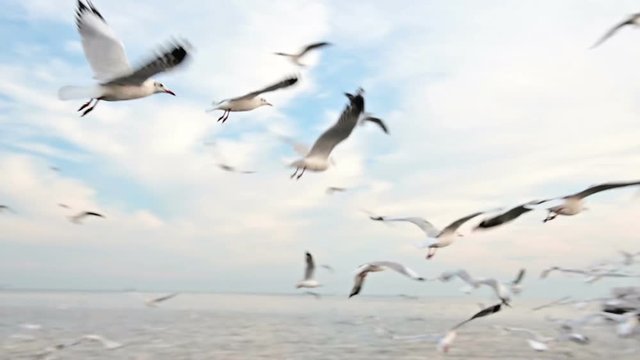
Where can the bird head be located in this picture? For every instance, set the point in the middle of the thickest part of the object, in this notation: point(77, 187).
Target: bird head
point(159, 87)
point(264, 102)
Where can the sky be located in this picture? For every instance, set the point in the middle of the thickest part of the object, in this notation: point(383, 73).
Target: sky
point(489, 104)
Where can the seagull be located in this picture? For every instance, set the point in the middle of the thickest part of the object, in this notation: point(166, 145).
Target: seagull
point(328, 267)
point(502, 291)
point(77, 219)
point(155, 301)
point(6, 208)
point(308, 281)
point(334, 189)
point(435, 238)
point(573, 204)
point(508, 215)
point(317, 159)
point(232, 169)
point(251, 100)
point(633, 20)
point(117, 79)
point(295, 58)
point(363, 270)
point(592, 275)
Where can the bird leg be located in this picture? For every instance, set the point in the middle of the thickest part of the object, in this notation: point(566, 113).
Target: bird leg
point(299, 176)
point(90, 108)
point(85, 104)
point(223, 114)
point(431, 253)
point(226, 117)
point(294, 173)
point(552, 215)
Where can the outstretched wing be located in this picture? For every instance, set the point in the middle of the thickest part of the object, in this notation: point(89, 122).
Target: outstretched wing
point(519, 277)
point(423, 224)
point(104, 51)
point(279, 85)
point(456, 224)
point(310, 267)
point(358, 281)
point(164, 60)
point(340, 130)
point(378, 122)
point(612, 31)
point(313, 46)
point(509, 215)
point(602, 187)
point(484, 312)
point(398, 268)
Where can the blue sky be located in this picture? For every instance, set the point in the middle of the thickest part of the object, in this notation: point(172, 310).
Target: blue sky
point(489, 104)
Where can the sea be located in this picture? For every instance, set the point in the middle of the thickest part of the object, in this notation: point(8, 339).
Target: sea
point(44, 324)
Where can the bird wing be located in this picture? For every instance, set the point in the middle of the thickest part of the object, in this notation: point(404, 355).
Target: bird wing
point(484, 312)
point(313, 46)
point(378, 122)
point(358, 281)
point(279, 85)
point(519, 277)
point(423, 224)
point(456, 224)
point(462, 274)
point(602, 187)
point(398, 268)
point(340, 130)
point(164, 60)
point(103, 50)
point(328, 267)
point(300, 148)
point(510, 214)
point(91, 213)
point(165, 297)
point(612, 31)
point(310, 268)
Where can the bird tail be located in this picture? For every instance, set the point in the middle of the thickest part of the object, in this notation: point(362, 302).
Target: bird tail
point(300, 163)
point(78, 92)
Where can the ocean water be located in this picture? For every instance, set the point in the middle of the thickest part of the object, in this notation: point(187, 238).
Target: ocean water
point(229, 326)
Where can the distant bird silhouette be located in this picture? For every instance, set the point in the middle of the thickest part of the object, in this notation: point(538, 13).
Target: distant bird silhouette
point(77, 219)
point(295, 58)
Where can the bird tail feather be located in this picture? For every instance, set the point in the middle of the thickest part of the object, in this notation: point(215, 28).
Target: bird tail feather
point(78, 92)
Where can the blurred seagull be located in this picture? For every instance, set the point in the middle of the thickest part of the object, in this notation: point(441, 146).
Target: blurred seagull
point(633, 20)
point(308, 281)
point(334, 189)
point(251, 100)
point(435, 238)
point(106, 55)
point(155, 301)
point(502, 291)
point(295, 58)
point(363, 270)
point(573, 204)
point(328, 268)
point(77, 219)
point(482, 313)
point(317, 159)
point(230, 168)
point(6, 208)
point(508, 215)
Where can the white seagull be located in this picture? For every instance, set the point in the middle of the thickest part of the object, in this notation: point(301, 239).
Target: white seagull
point(308, 281)
point(106, 55)
point(375, 266)
point(77, 219)
point(249, 101)
point(633, 20)
point(574, 204)
point(504, 292)
point(295, 58)
point(435, 238)
point(155, 301)
point(317, 159)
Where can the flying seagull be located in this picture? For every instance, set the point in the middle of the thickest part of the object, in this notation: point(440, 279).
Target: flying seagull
point(363, 270)
point(117, 79)
point(633, 20)
point(251, 100)
point(295, 58)
point(435, 238)
point(508, 215)
point(334, 189)
point(155, 301)
point(502, 291)
point(6, 208)
point(308, 281)
point(232, 169)
point(573, 204)
point(317, 159)
point(77, 219)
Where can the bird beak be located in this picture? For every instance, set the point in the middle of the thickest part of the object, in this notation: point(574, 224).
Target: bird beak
point(170, 92)
point(268, 104)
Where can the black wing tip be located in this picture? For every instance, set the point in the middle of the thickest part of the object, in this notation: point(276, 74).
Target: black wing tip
point(377, 218)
